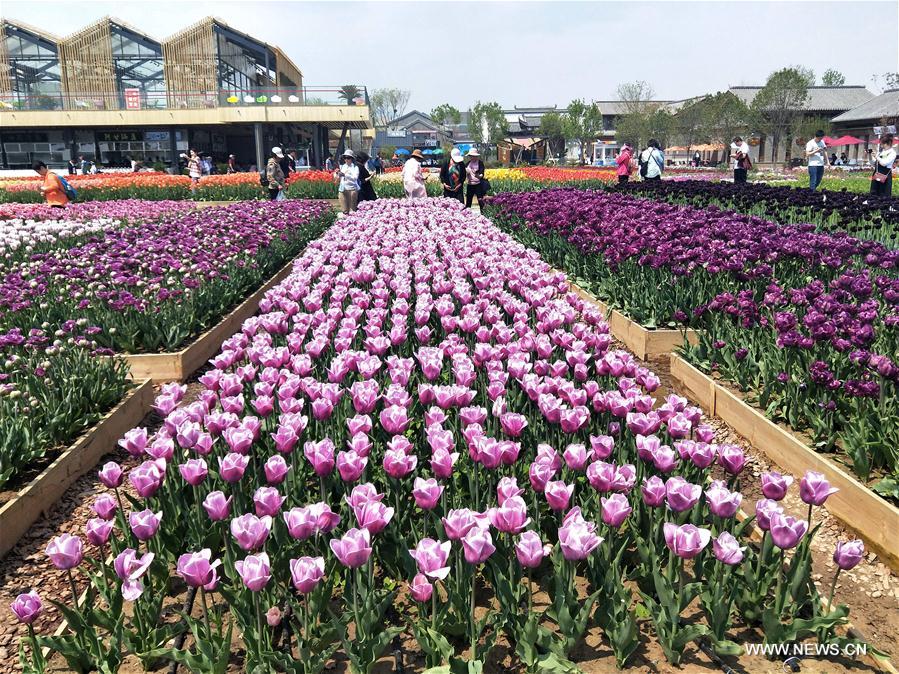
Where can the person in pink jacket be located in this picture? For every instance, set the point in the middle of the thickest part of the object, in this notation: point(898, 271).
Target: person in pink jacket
point(413, 177)
point(624, 163)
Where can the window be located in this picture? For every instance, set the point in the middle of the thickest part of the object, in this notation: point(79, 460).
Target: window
point(138, 65)
point(33, 69)
point(244, 66)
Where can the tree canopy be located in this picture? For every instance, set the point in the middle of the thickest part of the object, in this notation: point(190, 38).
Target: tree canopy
point(779, 105)
point(446, 114)
point(487, 123)
point(582, 122)
point(388, 104)
point(833, 78)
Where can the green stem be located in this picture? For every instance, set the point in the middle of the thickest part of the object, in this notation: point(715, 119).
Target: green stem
point(778, 599)
point(833, 589)
point(474, 634)
point(258, 627)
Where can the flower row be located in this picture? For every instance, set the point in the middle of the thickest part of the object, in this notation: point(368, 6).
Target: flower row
point(422, 403)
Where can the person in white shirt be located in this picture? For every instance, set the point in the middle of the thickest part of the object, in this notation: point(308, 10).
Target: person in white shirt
point(413, 178)
point(652, 161)
point(348, 178)
point(882, 178)
point(739, 149)
point(816, 155)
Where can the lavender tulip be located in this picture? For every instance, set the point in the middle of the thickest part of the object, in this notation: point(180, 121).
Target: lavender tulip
point(254, 571)
point(685, 541)
point(306, 573)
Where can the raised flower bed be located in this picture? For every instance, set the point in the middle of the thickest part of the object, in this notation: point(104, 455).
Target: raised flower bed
point(423, 406)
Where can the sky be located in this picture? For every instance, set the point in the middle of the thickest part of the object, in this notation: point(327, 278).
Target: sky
point(528, 53)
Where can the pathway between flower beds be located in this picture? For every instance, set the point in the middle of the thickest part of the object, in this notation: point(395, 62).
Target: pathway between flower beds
point(457, 377)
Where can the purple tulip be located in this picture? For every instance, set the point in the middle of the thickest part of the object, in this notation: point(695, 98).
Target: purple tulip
point(653, 491)
point(775, 485)
point(513, 424)
point(27, 607)
point(727, 549)
point(193, 471)
point(731, 458)
point(134, 441)
point(111, 474)
point(539, 474)
point(232, 467)
point(350, 465)
point(325, 518)
point(576, 456)
point(421, 588)
point(578, 538)
point(442, 462)
point(197, 571)
point(397, 464)
point(848, 554)
point(722, 502)
point(507, 488)
point(458, 523)
point(320, 456)
point(615, 509)
point(814, 488)
point(512, 516)
point(306, 573)
point(786, 530)
point(373, 516)
point(217, 506)
point(147, 477)
point(97, 531)
point(362, 494)
point(144, 524)
point(558, 495)
point(478, 545)
point(254, 571)
point(530, 550)
point(301, 523)
point(105, 505)
point(431, 557)
point(268, 501)
point(679, 426)
point(427, 493)
point(394, 419)
point(680, 494)
point(764, 509)
point(129, 568)
point(251, 531)
point(354, 549)
point(685, 541)
point(602, 446)
point(276, 469)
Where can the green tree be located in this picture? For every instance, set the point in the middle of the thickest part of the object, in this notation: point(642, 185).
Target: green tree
point(553, 130)
point(780, 104)
point(691, 124)
point(833, 78)
point(583, 123)
point(487, 124)
point(729, 116)
point(350, 92)
point(446, 114)
point(387, 105)
point(635, 125)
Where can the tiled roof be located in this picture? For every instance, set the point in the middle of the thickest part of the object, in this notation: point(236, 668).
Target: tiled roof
point(820, 99)
point(885, 105)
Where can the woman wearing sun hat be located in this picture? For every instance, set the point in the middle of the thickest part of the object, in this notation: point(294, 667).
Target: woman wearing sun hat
point(474, 172)
point(413, 178)
point(347, 176)
point(452, 176)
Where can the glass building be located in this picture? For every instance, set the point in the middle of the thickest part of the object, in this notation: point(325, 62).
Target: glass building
point(30, 76)
point(137, 61)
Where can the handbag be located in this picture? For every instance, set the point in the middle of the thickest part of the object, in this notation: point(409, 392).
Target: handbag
point(880, 177)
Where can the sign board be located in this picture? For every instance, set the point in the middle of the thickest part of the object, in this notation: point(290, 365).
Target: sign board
point(156, 135)
point(395, 132)
point(119, 136)
point(132, 98)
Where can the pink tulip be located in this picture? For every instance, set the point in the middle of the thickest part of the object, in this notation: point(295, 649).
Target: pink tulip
point(431, 558)
point(217, 506)
point(602, 446)
point(814, 488)
point(530, 550)
point(394, 419)
point(653, 491)
point(193, 471)
point(511, 517)
point(478, 545)
point(135, 441)
point(301, 523)
point(680, 494)
point(558, 495)
point(576, 456)
point(27, 607)
point(130, 569)
point(397, 464)
point(685, 541)
point(350, 465)
point(268, 501)
point(65, 551)
point(722, 502)
point(421, 588)
point(325, 518)
point(458, 523)
point(513, 424)
point(578, 539)
point(254, 571)
point(426, 493)
point(354, 549)
point(276, 469)
point(306, 573)
point(105, 505)
point(373, 516)
point(320, 456)
point(232, 467)
point(147, 477)
point(239, 439)
point(764, 509)
point(111, 474)
point(144, 524)
point(286, 439)
point(775, 485)
point(615, 509)
point(98, 530)
point(539, 474)
point(197, 571)
point(251, 531)
point(507, 488)
point(442, 463)
point(727, 549)
point(362, 494)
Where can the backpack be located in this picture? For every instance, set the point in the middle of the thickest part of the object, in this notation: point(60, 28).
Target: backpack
point(71, 192)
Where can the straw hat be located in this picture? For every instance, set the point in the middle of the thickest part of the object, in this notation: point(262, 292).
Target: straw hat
point(417, 154)
point(456, 155)
point(473, 152)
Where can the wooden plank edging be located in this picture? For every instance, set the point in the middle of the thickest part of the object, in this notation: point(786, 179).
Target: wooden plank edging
point(873, 518)
point(644, 343)
point(179, 365)
point(39, 495)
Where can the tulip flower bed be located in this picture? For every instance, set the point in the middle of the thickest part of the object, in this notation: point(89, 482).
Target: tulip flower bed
point(861, 215)
point(126, 210)
point(22, 238)
point(421, 426)
point(802, 320)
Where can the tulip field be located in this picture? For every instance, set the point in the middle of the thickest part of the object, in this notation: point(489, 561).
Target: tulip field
point(426, 453)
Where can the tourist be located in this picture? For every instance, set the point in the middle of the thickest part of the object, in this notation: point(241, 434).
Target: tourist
point(85, 165)
point(414, 177)
point(232, 164)
point(844, 159)
point(73, 168)
point(379, 165)
point(51, 186)
point(366, 188)
point(652, 161)
point(329, 163)
point(739, 148)
point(284, 162)
point(452, 176)
point(275, 175)
point(93, 169)
point(816, 155)
point(833, 158)
point(625, 163)
point(474, 174)
point(347, 177)
point(882, 178)
point(697, 159)
point(194, 169)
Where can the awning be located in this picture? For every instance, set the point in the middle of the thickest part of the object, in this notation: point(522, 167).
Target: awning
point(842, 140)
point(401, 150)
point(526, 143)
